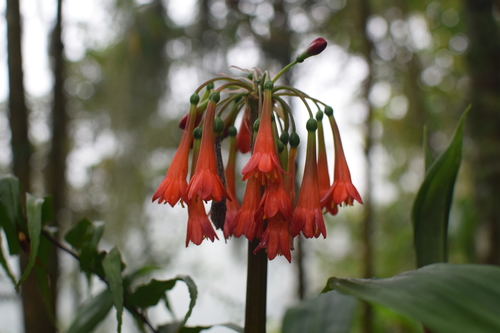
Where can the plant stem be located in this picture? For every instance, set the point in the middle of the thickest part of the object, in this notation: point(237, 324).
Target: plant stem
point(255, 309)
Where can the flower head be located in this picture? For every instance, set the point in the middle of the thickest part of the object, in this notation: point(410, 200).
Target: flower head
point(248, 220)
point(206, 182)
point(307, 217)
point(276, 238)
point(316, 47)
point(264, 163)
point(174, 185)
point(199, 226)
point(342, 191)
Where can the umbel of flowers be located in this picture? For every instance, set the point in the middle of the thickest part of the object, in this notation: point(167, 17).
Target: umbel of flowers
point(272, 210)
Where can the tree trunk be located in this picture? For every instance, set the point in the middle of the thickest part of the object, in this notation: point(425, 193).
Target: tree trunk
point(484, 71)
point(36, 319)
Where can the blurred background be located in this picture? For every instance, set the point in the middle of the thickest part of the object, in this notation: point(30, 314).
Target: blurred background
point(91, 93)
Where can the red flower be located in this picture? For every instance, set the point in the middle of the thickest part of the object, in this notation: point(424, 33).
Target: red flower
point(264, 163)
point(244, 136)
point(232, 207)
point(174, 185)
point(276, 238)
point(307, 216)
point(276, 200)
point(206, 182)
point(249, 220)
point(199, 226)
point(342, 191)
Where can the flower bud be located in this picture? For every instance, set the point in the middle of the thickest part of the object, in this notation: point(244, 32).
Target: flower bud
point(294, 139)
point(316, 47)
point(197, 133)
point(194, 99)
point(214, 96)
point(329, 111)
point(268, 85)
point(284, 137)
point(319, 116)
point(311, 125)
point(231, 131)
point(218, 125)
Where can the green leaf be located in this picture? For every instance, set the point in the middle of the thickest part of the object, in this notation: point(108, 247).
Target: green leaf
point(112, 265)
point(48, 214)
point(143, 271)
point(34, 213)
point(91, 313)
point(431, 208)
point(331, 312)
point(444, 297)
point(4, 263)
point(9, 211)
point(175, 327)
point(76, 235)
point(427, 153)
point(151, 293)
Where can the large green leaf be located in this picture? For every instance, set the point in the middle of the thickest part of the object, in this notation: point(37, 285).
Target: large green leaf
point(112, 265)
point(34, 213)
point(444, 297)
point(76, 235)
point(9, 210)
point(91, 313)
point(331, 312)
point(431, 208)
point(151, 293)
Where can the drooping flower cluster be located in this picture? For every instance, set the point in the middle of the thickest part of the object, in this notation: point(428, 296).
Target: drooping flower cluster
point(270, 212)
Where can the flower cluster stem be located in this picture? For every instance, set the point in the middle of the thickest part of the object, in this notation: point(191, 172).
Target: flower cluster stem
point(255, 309)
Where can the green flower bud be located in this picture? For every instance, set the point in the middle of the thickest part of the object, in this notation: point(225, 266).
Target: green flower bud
point(294, 139)
point(329, 111)
point(194, 99)
point(197, 133)
point(269, 85)
point(214, 96)
point(312, 125)
point(319, 115)
point(218, 125)
point(284, 137)
point(231, 131)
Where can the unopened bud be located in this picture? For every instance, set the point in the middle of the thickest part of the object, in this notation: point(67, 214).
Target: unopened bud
point(316, 47)
point(329, 111)
point(231, 131)
point(197, 133)
point(284, 137)
point(218, 125)
point(294, 139)
point(311, 125)
point(194, 99)
point(214, 96)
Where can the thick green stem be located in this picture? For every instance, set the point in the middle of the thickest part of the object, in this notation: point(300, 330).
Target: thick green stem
point(255, 309)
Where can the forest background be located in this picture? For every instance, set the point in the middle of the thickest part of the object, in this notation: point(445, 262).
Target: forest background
point(97, 91)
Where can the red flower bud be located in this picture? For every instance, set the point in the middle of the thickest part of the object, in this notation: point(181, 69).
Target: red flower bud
point(316, 47)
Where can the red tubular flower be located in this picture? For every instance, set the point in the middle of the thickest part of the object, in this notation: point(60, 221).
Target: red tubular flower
point(342, 191)
point(232, 207)
point(323, 176)
point(199, 226)
point(174, 185)
point(206, 182)
point(276, 238)
point(249, 220)
point(276, 200)
point(307, 216)
point(244, 136)
point(264, 163)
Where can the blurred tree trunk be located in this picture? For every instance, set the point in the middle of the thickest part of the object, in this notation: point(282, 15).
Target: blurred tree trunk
point(484, 71)
point(36, 319)
point(365, 11)
point(56, 167)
